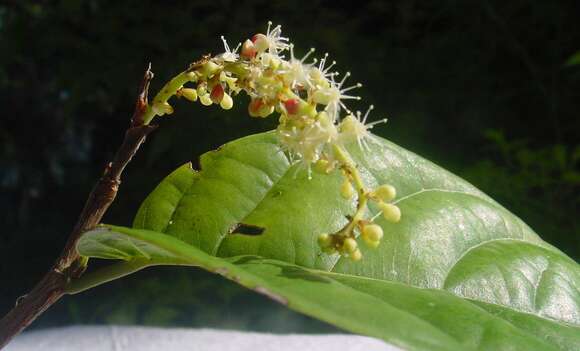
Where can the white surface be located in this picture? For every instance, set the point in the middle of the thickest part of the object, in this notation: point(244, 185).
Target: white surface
point(110, 338)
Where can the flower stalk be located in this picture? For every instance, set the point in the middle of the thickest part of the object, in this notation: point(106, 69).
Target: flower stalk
point(315, 125)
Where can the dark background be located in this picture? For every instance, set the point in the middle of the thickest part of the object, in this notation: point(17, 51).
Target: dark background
point(486, 89)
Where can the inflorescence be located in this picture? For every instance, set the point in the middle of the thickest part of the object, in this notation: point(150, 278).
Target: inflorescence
point(310, 99)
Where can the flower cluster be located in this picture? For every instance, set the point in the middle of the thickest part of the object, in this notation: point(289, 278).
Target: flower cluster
point(314, 122)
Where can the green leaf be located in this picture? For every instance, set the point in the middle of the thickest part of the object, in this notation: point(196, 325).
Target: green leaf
point(459, 272)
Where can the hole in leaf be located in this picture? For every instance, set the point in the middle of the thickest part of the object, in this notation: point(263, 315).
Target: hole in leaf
point(247, 229)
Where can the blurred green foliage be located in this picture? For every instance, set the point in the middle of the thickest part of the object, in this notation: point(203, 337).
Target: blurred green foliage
point(543, 184)
point(449, 74)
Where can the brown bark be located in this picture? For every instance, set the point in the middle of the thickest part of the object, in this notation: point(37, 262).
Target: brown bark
point(69, 264)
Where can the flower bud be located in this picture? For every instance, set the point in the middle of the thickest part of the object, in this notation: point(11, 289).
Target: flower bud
point(227, 102)
point(292, 106)
point(356, 256)
point(308, 110)
point(347, 190)
point(385, 192)
point(349, 245)
point(321, 97)
point(217, 93)
point(209, 68)
point(259, 108)
point(325, 96)
point(391, 212)
point(162, 108)
point(192, 76)
point(248, 50)
point(205, 99)
point(323, 166)
point(254, 107)
point(201, 89)
point(271, 61)
point(266, 110)
point(188, 93)
point(261, 42)
point(324, 240)
point(372, 232)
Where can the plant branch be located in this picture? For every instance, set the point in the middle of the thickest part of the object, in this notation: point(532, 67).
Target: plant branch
point(70, 264)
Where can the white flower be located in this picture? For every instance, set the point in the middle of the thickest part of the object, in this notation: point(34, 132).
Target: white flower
point(228, 55)
point(353, 128)
point(333, 95)
point(295, 72)
point(273, 41)
point(320, 75)
point(309, 143)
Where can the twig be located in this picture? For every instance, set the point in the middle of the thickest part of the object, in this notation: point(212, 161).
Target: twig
point(70, 265)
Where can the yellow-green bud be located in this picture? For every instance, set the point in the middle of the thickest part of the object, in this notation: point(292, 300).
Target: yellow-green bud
point(324, 240)
point(162, 108)
point(189, 94)
point(391, 212)
point(209, 68)
point(323, 166)
point(356, 255)
point(201, 89)
point(347, 190)
point(385, 192)
point(372, 244)
point(321, 97)
point(307, 109)
point(349, 245)
point(372, 232)
point(192, 76)
point(227, 102)
point(205, 99)
point(265, 111)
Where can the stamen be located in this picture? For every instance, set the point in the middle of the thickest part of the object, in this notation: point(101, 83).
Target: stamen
point(372, 124)
point(329, 67)
point(226, 47)
point(307, 54)
point(371, 107)
point(344, 79)
point(357, 85)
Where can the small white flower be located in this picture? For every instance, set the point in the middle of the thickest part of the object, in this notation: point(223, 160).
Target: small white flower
point(295, 72)
point(273, 41)
point(333, 95)
point(354, 128)
point(307, 144)
point(228, 55)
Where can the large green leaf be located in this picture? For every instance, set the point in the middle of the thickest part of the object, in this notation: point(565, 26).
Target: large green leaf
point(459, 272)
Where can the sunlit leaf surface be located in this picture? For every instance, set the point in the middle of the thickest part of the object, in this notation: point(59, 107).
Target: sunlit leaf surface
point(459, 272)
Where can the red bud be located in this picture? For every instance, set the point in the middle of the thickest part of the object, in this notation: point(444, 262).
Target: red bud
point(255, 106)
point(217, 94)
point(248, 50)
point(292, 106)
